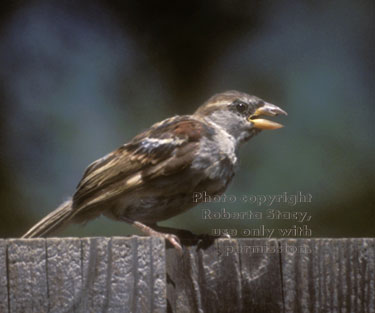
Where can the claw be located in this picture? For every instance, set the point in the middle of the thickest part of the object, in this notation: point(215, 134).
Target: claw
point(173, 239)
point(225, 235)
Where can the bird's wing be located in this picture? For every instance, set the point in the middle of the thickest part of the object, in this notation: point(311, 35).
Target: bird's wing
point(164, 149)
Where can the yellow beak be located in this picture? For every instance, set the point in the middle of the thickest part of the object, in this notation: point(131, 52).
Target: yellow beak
point(267, 109)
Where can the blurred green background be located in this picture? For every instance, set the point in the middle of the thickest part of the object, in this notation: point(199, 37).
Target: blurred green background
point(80, 78)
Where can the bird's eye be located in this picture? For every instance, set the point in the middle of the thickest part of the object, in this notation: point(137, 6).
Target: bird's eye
point(240, 106)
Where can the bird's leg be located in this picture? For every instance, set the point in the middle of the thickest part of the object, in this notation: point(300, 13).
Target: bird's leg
point(178, 232)
point(184, 233)
point(188, 237)
point(173, 239)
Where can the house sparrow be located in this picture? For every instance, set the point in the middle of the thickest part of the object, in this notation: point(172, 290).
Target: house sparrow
point(154, 176)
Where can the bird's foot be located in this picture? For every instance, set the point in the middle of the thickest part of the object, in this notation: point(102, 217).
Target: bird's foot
point(181, 233)
point(173, 239)
point(148, 230)
point(187, 236)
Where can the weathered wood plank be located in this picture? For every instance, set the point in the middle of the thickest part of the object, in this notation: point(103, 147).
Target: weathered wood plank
point(336, 275)
point(260, 276)
point(83, 275)
point(95, 272)
point(138, 274)
point(120, 275)
point(3, 277)
point(229, 276)
point(27, 274)
point(148, 259)
point(64, 274)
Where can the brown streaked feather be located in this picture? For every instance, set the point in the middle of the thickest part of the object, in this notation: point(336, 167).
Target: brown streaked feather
point(126, 168)
point(181, 159)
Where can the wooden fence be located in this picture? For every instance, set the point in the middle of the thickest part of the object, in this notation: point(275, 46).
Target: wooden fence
point(139, 274)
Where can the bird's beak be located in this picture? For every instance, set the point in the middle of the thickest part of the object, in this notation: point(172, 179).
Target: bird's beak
point(269, 110)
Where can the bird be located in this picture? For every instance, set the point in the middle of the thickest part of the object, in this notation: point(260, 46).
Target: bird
point(154, 176)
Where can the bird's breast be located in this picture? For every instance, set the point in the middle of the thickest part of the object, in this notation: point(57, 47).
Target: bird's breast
point(217, 157)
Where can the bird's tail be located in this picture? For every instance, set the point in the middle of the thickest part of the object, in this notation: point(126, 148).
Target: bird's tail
point(53, 221)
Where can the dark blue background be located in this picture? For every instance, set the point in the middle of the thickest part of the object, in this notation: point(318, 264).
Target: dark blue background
point(79, 78)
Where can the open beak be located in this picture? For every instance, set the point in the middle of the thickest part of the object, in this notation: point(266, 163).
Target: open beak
point(269, 110)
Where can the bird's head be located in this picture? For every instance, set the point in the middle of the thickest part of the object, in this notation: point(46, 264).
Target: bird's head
point(239, 114)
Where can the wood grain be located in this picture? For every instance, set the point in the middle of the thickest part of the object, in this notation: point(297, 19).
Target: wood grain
point(3, 277)
point(139, 274)
point(337, 275)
